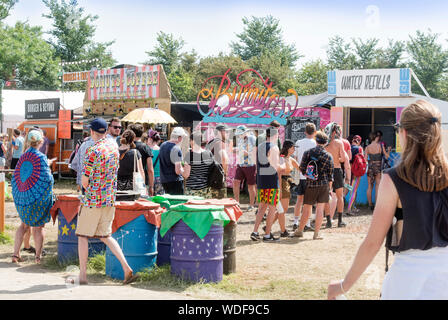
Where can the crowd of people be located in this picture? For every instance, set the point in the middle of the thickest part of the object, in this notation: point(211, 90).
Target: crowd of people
point(111, 157)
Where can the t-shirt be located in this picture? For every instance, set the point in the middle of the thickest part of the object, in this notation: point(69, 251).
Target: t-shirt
point(156, 166)
point(200, 168)
point(127, 163)
point(145, 152)
point(302, 146)
point(169, 154)
point(19, 142)
point(248, 145)
point(101, 166)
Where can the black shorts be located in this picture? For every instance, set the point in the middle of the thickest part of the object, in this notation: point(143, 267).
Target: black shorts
point(317, 195)
point(300, 189)
point(338, 179)
point(14, 162)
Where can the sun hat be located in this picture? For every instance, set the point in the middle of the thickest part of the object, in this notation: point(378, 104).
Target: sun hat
point(98, 125)
point(241, 130)
point(179, 132)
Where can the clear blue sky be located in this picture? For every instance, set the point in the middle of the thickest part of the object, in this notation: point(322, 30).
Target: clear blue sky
point(209, 27)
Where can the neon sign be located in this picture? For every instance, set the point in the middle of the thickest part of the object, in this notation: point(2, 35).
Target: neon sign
point(244, 103)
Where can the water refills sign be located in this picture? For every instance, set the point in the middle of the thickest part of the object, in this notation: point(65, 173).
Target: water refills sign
point(369, 83)
point(42, 109)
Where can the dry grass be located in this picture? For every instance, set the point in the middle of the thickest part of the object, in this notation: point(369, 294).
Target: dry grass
point(290, 269)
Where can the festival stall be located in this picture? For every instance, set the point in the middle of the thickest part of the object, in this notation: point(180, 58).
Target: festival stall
point(369, 100)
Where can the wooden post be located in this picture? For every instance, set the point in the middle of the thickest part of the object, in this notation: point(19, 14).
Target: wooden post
point(2, 202)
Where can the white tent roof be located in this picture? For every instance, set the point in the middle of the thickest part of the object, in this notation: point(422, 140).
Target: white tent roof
point(13, 101)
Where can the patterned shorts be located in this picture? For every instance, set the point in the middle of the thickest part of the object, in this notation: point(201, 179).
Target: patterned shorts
point(374, 170)
point(269, 196)
point(205, 193)
point(158, 188)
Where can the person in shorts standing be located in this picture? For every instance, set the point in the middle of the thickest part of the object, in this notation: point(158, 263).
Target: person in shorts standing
point(218, 148)
point(97, 213)
point(17, 147)
point(302, 146)
point(171, 169)
point(246, 168)
point(318, 188)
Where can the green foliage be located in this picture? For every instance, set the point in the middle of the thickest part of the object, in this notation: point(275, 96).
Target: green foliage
point(428, 60)
point(5, 7)
point(27, 57)
point(182, 85)
point(312, 78)
point(5, 238)
point(366, 53)
point(340, 55)
point(262, 35)
point(167, 51)
point(97, 263)
point(391, 57)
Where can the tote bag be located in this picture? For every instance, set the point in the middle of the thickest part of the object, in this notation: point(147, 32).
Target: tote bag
point(138, 182)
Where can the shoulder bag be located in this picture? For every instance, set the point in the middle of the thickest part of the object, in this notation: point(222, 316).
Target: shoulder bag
point(138, 182)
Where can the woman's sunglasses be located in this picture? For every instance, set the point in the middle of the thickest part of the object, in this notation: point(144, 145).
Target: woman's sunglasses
point(397, 127)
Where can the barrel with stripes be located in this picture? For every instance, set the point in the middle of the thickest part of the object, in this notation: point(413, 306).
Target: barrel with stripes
point(68, 241)
point(138, 241)
point(196, 259)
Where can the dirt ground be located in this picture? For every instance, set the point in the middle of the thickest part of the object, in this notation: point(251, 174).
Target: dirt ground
point(289, 269)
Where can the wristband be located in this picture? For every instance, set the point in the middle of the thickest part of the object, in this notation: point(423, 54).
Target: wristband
point(342, 288)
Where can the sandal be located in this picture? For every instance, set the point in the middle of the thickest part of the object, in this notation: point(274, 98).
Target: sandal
point(131, 278)
point(31, 249)
point(16, 259)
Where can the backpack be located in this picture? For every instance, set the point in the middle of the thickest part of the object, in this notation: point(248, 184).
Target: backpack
point(74, 152)
point(312, 171)
point(216, 177)
point(359, 165)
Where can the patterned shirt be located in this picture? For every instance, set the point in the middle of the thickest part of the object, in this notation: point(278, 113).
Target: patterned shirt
point(101, 166)
point(325, 166)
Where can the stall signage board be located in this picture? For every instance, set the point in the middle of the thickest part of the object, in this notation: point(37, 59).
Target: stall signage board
point(80, 76)
point(125, 83)
point(42, 109)
point(246, 102)
point(295, 130)
point(64, 124)
point(369, 83)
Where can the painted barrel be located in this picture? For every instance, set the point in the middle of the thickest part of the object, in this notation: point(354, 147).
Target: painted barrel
point(127, 195)
point(164, 243)
point(229, 248)
point(196, 259)
point(138, 240)
point(68, 241)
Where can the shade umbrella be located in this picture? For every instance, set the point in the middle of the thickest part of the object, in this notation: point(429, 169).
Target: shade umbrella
point(149, 115)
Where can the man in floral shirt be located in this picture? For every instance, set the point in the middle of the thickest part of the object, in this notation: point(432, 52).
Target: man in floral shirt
point(99, 179)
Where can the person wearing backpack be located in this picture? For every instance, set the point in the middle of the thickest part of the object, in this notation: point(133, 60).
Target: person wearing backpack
point(317, 165)
point(416, 190)
point(359, 168)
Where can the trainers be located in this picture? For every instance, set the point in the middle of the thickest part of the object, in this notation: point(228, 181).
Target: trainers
point(250, 208)
point(308, 229)
point(285, 234)
point(270, 238)
point(255, 236)
point(328, 225)
point(341, 224)
point(295, 226)
point(298, 233)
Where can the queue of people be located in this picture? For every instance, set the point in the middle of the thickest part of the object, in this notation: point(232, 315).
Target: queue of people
point(413, 193)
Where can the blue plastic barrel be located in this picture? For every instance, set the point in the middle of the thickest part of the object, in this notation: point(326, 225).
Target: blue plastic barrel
point(196, 259)
point(138, 240)
point(68, 241)
point(163, 248)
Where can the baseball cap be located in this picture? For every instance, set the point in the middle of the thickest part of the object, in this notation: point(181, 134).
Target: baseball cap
point(98, 125)
point(241, 130)
point(221, 127)
point(357, 138)
point(179, 132)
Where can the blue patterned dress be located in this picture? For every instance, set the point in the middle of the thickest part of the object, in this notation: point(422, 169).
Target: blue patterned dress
point(32, 188)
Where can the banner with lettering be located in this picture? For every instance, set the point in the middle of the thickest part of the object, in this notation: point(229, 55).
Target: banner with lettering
point(124, 83)
point(369, 83)
point(42, 109)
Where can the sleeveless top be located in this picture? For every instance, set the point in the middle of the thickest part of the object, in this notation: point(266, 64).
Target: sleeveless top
point(376, 157)
point(267, 176)
point(422, 227)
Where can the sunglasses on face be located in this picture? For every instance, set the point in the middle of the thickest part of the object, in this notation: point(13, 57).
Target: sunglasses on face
point(117, 127)
point(397, 127)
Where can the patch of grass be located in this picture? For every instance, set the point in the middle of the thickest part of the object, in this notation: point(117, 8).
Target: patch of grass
point(51, 262)
point(5, 238)
point(161, 277)
point(9, 228)
point(97, 263)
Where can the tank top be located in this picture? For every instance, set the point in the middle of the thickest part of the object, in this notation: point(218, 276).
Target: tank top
point(421, 217)
point(376, 157)
point(267, 176)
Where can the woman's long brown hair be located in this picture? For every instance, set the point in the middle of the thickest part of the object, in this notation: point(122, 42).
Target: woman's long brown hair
point(423, 163)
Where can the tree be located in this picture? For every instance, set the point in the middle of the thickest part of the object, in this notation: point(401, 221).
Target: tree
point(167, 52)
point(366, 53)
point(312, 78)
point(182, 85)
point(391, 57)
point(27, 57)
point(262, 36)
point(428, 60)
point(5, 8)
point(340, 54)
